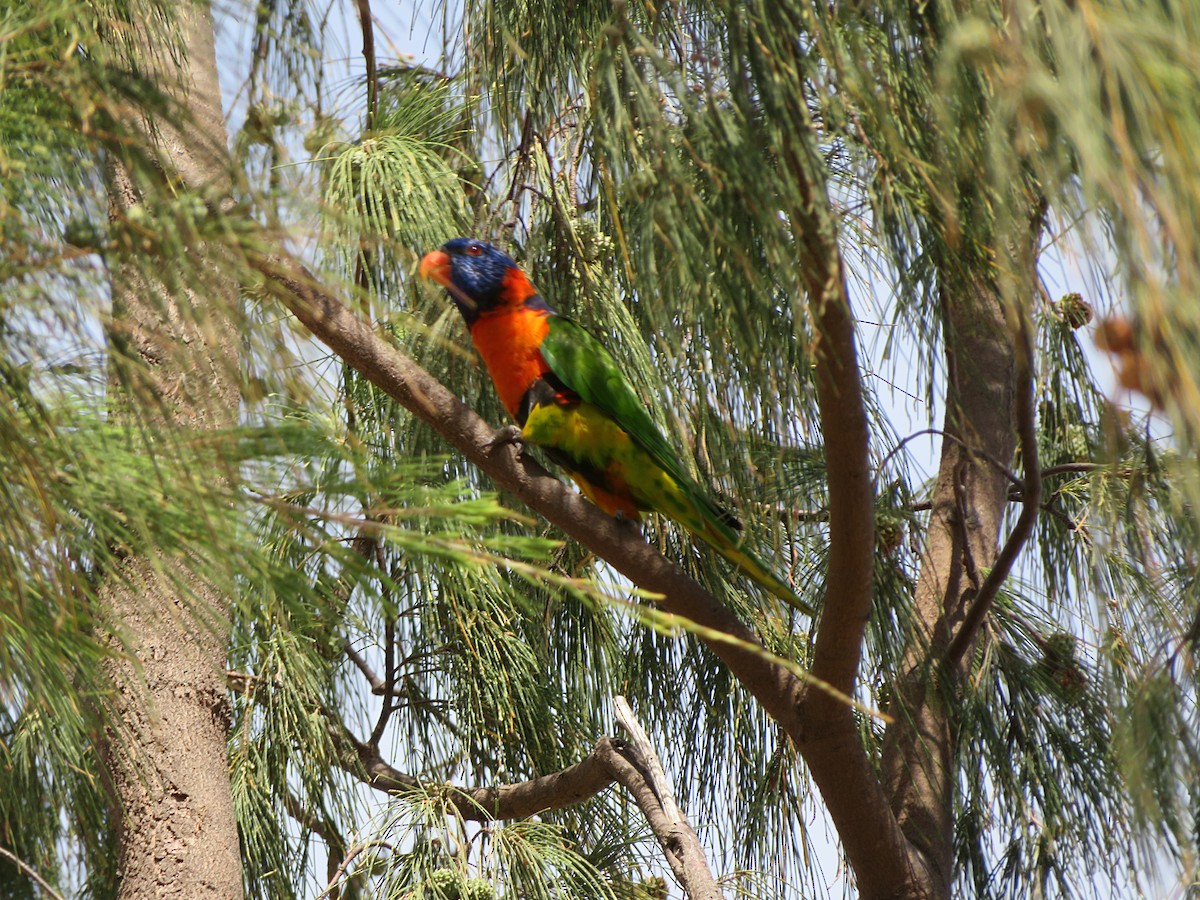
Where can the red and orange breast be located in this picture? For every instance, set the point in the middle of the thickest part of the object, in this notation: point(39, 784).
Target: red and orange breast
point(508, 338)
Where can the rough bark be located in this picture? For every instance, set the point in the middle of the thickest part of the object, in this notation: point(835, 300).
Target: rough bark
point(165, 747)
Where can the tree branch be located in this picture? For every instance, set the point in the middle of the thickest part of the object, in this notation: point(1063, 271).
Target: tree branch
point(678, 841)
point(830, 742)
point(377, 684)
point(875, 844)
point(335, 846)
point(637, 767)
point(821, 725)
point(32, 873)
point(557, 790)
point(343, 868)
point(951, 436)
point(657, 777)
point(520, 800)
point(838, 648)
point(367, 23)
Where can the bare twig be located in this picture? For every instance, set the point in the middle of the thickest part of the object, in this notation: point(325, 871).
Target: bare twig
point(377, 685)
point(367, 22)
point(344, 867)
point(389, 665)
point(334, 843)
point(1081, 468)
point(949, 436)
point(31, 872)
point(784, 511)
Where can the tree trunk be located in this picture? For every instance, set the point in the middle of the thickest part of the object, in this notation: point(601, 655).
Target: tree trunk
point(165, 747)
point(969, 502)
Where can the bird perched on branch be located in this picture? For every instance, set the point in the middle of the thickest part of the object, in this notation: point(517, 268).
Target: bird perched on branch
point(570, 397)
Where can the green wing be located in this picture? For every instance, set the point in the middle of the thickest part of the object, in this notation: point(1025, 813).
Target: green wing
point(583, 364)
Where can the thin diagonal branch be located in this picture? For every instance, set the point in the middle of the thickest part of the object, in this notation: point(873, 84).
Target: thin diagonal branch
point(951, 436)
point(32, 873)
point(334, 843)
point(343, 868)
point(377, 685)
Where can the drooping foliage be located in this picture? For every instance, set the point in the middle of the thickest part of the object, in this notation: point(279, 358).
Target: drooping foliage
point(651, 166)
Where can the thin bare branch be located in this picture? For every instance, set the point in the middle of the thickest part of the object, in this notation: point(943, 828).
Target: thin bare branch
point(31, 872)
point(678, 841)
point(367, 23)
point(344, 866)
point(389, 678)
point(950, 436)
point(334, 843)
point(520, 800)
point(377, 685)
point(1079, 468)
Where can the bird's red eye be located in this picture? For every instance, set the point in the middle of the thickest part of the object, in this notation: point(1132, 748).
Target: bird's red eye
point(474, 250)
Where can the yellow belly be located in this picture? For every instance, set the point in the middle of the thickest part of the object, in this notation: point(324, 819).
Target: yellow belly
point(611, 470)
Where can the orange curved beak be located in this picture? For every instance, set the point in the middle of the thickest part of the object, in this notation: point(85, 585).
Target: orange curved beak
point(436, 265)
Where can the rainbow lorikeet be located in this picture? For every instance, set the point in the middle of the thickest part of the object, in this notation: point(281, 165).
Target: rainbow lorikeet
point(570, 397)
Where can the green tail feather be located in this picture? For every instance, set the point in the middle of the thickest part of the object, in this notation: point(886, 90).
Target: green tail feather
point(757, 570)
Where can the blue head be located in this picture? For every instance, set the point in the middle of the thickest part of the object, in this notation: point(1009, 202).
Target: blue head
point(477, 276)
